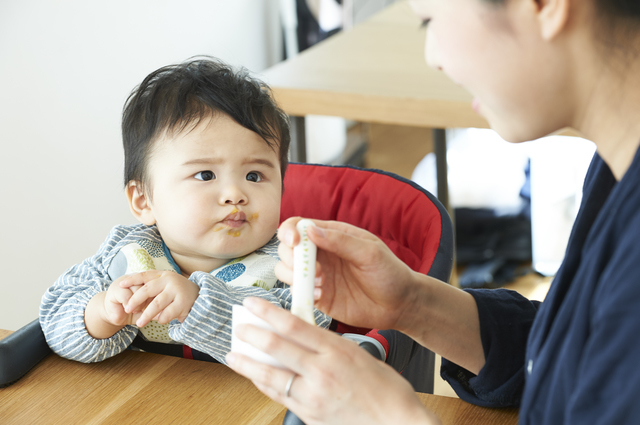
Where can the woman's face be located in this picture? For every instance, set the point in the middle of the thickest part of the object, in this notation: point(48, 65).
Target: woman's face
point(498, 54)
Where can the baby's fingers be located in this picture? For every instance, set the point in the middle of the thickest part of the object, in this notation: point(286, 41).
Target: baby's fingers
point(119, 296)
point(139, 279)
point(155, 311)
point(173, 311)
point(141, 296)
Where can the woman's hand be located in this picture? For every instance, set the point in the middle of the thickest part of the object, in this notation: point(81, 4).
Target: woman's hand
point(360, 281)
point(334, 380)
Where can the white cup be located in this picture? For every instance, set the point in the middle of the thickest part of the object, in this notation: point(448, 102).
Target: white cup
point(240, 315)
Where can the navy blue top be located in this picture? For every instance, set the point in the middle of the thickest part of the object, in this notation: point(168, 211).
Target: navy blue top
point(573, 359)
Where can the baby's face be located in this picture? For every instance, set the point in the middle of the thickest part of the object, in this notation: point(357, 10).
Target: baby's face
point(216, 193)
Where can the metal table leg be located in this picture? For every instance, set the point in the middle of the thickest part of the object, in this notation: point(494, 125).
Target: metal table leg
point(298, 147)
point(440, 148)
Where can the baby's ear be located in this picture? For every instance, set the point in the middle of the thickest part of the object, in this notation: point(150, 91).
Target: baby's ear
point(139, 203)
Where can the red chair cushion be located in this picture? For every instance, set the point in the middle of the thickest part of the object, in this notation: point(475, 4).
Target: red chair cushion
point(392, 208)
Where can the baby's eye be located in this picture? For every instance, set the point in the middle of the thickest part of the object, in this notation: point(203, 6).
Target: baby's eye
point(205, 176)
point(254, 177)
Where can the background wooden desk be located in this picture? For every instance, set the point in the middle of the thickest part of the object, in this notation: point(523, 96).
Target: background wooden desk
point(138, 387)
point(375, 72)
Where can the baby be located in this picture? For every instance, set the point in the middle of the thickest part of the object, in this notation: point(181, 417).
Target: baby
point(205, 155)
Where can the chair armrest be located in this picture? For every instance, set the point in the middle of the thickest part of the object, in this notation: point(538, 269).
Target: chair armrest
point(21, 351)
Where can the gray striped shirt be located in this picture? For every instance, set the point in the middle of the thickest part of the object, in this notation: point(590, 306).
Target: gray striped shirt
point(207, 327)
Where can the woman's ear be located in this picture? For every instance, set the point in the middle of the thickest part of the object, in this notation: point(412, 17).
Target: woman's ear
point(139, 204)
point(553, 17)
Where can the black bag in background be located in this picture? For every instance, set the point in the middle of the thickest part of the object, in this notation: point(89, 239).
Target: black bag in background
point(493, 246)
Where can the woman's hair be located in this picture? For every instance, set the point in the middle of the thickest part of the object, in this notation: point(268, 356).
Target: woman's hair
point(177, 97)
point(618, 23)
point(629, 9)
point(614, 10)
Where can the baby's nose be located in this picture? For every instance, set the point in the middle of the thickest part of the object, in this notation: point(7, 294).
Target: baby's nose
point(235, 201)
point(233, 195)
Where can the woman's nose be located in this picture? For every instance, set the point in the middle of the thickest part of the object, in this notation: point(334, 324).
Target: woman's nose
point(431, 53)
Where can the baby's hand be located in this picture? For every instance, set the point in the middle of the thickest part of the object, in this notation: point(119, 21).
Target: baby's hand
point(168, 295)
point(115, 301)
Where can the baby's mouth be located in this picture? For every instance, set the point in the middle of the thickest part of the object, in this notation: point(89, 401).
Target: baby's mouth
point(235, 219)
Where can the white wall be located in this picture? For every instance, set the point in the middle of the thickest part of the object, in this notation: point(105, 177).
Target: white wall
point(66, 68)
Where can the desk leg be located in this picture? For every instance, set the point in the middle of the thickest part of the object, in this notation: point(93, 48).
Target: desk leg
point(440, 148)
point(298, 147)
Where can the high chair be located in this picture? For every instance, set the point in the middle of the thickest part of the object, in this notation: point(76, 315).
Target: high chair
point(407, 218)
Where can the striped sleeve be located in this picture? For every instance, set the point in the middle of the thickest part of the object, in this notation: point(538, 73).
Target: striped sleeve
point(63, 305)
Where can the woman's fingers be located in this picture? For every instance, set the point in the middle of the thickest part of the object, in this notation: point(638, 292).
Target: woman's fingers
point(284, 350)
point(286, 255)
point(288, 234)
point(351, 245)
point(284, 268)
point(347, 229)
point(328, 379)
point(284, 273)
point(299, 334)
point(270, 380)
point(333, 238)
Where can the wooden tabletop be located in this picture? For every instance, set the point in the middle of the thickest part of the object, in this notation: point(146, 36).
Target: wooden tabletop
point(136, 387)
point(375, 72)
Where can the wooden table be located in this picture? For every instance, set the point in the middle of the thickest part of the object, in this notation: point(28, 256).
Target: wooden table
point(136, 387)
point(375, 72)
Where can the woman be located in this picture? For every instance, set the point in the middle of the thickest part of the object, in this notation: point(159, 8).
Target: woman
point(534, 67)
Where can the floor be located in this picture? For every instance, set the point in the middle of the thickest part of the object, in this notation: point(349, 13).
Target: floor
point(399, 149)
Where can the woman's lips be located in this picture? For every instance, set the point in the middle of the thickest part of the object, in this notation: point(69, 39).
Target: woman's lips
point(475, 104)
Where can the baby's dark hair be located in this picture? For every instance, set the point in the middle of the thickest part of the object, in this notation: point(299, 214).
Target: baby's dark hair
point(178, 96)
